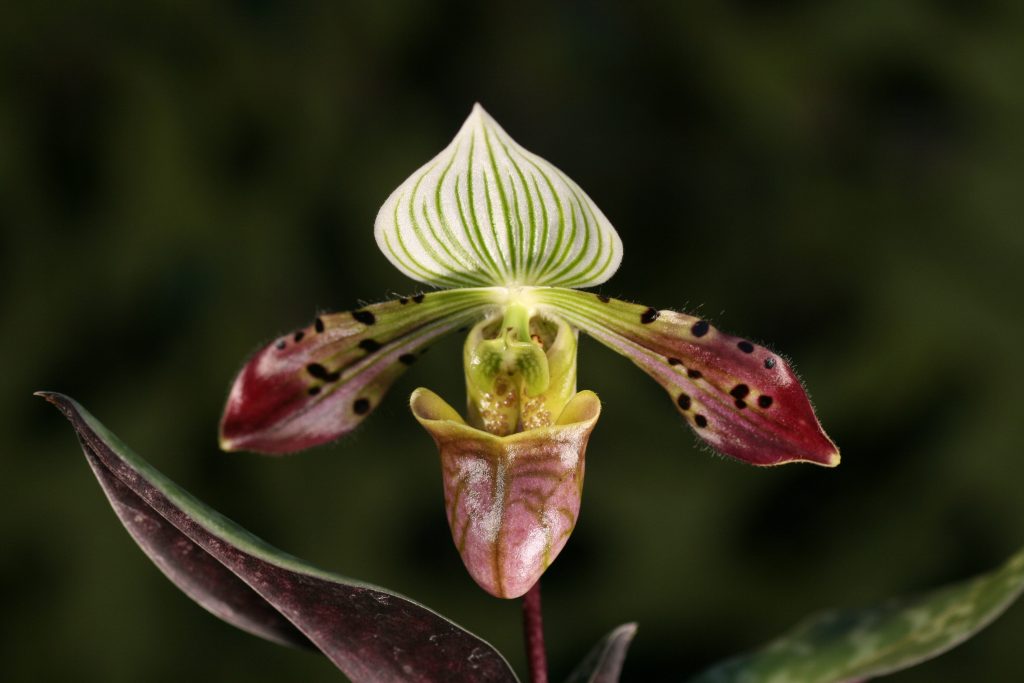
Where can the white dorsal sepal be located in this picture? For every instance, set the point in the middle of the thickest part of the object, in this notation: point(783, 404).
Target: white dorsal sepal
point(485, 211)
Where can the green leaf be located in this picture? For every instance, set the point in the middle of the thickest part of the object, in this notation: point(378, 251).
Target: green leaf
point(485, 211)
point(604, 663)
point(855, 645)
point(371, 634)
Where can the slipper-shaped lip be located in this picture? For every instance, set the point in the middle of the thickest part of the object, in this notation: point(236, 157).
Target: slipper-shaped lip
point(512, 501)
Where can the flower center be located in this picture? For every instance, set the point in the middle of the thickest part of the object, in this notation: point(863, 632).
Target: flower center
point(520, 370)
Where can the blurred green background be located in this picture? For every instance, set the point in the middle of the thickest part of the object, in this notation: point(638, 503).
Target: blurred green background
point(841, 180)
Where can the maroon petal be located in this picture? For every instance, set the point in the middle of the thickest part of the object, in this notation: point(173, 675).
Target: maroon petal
point(320, 382)
point(741, 398)
point(512, 501)
point(371, 634)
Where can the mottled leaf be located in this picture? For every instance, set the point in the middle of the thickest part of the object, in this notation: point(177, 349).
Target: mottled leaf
point(320, 382)
point(739, 397)
point(512, 501)
point(604, 663)
point(485, 211)
point(371, 634)
point(855, 645)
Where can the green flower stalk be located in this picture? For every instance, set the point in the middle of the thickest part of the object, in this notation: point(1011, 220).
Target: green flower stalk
point(509, 241)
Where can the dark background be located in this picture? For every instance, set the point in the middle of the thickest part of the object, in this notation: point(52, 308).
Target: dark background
point(841, 180)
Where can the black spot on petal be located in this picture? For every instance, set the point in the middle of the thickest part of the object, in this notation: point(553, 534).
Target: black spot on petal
point(281, 344)
point(407, 358)
point(299, 335)
point(313, 391)
point(361, 406)
point(365, 317)
point(369, 345)
point(740, 391)
point(649, 316)
point(741, 404)
point(700, 420)
point(764, 401)
point(683, 401)
point(403, 301)
point(700, 328)
point(603, 299)
point(333, 377)
point(318, 325)
point(317, 370)
point(769, 363)
point(419, 298)
point(694, 374)
point(745, 346)
point(674, 361)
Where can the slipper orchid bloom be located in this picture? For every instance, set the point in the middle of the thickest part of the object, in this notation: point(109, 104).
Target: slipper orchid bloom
point(509, 241)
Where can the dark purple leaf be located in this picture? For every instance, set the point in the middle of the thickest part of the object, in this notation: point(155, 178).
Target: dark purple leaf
point(371, 634)
point(604, 663)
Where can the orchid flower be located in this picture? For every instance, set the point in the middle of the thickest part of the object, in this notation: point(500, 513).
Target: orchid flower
point(509, 242)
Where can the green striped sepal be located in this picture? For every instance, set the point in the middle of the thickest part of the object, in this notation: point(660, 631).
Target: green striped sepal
point(485, 211)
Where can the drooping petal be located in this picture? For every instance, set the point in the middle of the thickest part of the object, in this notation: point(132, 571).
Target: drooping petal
point(741, 398)
point(319, 382)
point(485, 211)
point(371, 634)
point(511, 501)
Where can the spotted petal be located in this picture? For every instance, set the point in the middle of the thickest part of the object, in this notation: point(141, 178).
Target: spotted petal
point(485, 211)
point(741, 398)
point(512, 501)
point(320, 382)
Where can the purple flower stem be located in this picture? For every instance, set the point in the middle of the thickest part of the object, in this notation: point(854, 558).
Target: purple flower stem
point(533, 630)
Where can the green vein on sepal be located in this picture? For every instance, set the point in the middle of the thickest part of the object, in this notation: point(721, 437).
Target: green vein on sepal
point(476, 214)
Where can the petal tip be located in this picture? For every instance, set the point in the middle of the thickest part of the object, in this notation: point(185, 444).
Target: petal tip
point(227, 445)
point(828, 456)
